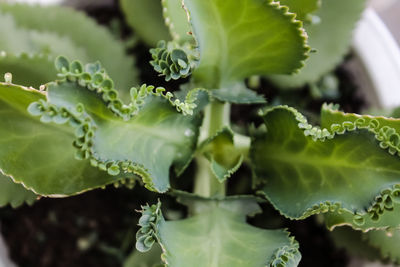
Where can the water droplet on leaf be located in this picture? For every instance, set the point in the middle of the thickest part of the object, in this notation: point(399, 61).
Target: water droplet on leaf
point(189, 132)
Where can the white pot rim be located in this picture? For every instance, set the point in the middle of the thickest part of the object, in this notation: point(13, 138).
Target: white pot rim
point(379, 54)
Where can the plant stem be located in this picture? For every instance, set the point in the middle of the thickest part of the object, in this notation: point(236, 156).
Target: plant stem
point(242, 144)
point(206, 184)
point(217, 115)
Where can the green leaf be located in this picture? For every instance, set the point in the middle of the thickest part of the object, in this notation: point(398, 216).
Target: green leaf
point(145, 137)
point(345, 170)
point(220, 150)
point(150, 259)
point(301, 7)
point(14, 194)
point(54, 27)
point(374, 245)
point(32, 70)
point(145, 17)
point(387, 242)
point(218, 235)
point(354, 243)
point(365, 221)
point(240, 39)
point(41, 156)
point(238, 94)
point(199, 96)
point(19, 40)
point(177, 21)
point(383, 212)
point(330, 38)
point(331, 115)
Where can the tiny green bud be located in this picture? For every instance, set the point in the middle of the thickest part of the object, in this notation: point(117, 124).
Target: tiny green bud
point(8, 77)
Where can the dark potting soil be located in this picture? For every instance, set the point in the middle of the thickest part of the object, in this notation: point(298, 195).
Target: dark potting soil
point(93, 229)
point(97, 228)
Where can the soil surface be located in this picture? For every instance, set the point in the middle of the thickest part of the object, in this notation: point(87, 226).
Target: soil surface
point(93, 229)
point(97, 229)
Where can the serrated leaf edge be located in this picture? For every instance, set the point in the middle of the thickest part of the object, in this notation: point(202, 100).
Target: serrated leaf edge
point(384, 255)
point(99, 83)
point(285, 11)
point(284, 254)
point(209, 140)
point(369, 123)
point(168, 21)
point(25, 201)
point(152, 216)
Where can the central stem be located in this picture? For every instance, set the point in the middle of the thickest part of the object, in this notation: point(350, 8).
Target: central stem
point(217, 115)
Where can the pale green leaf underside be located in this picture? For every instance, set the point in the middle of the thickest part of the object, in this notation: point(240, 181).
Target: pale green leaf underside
point(14, 194)
point(238, 39)
point(354, 243)
point(224, 159)
point(301, 7)
point(63, 31)
point(41, 156)
point(177, 20)
point(145, 17)
point(219, 236)
point(387, 242)
point(373, 245)
point(152, 258)
point(238, 93)
point(330, 37)
point(307, 170)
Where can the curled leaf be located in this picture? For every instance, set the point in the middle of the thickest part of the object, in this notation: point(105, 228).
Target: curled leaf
point(173, 61)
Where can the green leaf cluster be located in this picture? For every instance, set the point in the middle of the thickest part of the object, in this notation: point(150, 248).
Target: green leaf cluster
point(33, 36)
point(173, 61)
point(80, 129)
point(330, 31)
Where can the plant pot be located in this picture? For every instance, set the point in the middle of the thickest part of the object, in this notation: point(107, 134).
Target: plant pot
point(376, 65)
point(4, 259)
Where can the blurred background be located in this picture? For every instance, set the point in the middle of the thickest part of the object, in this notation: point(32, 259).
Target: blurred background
point(389, 11)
